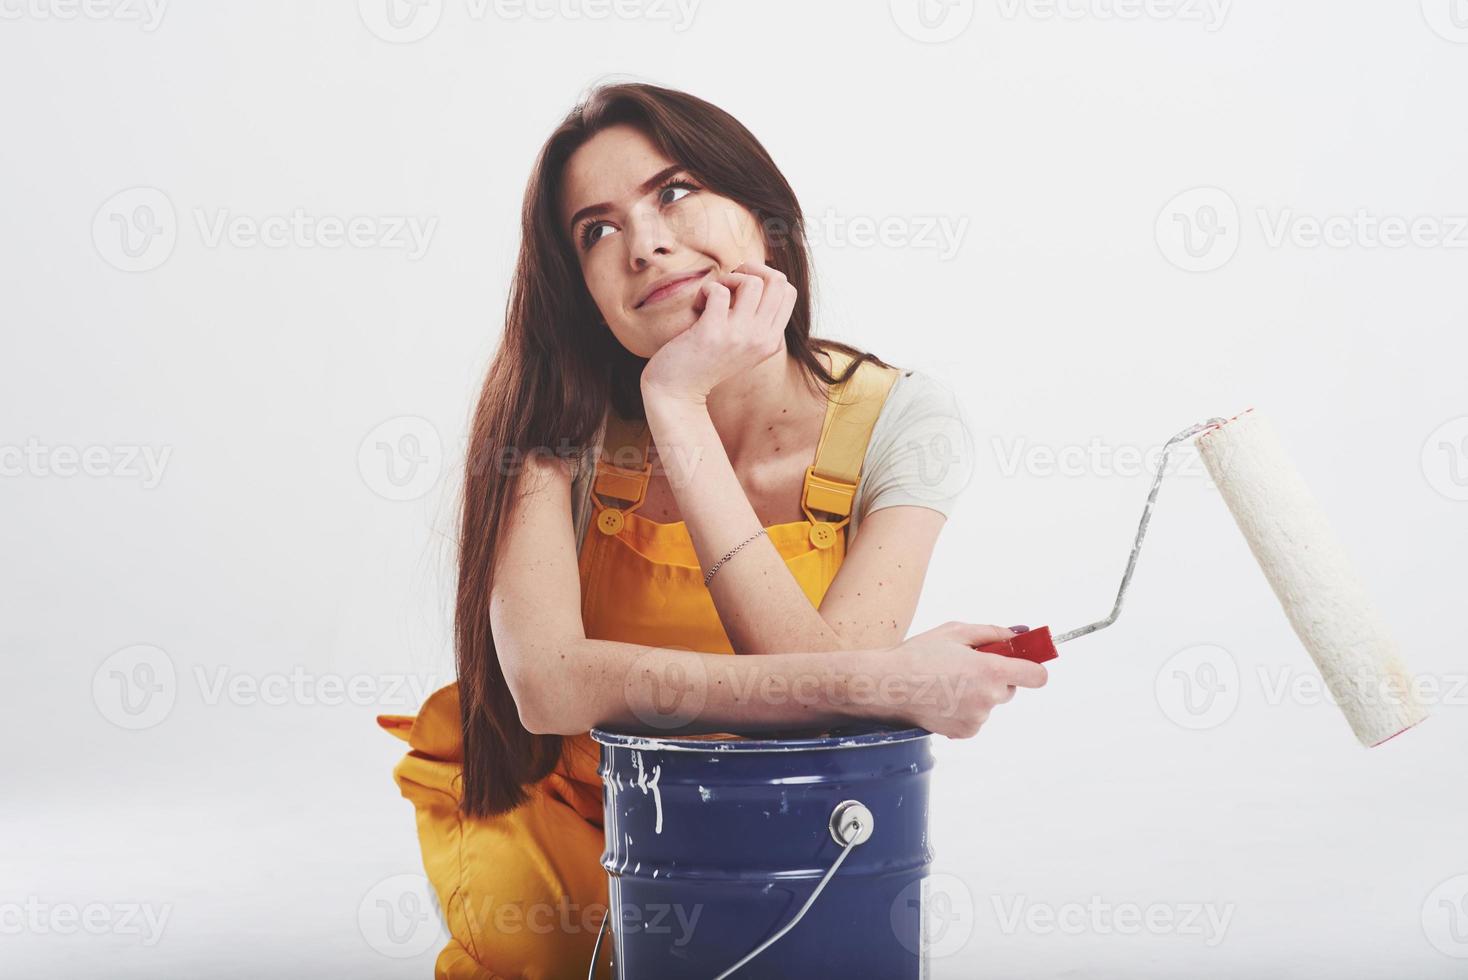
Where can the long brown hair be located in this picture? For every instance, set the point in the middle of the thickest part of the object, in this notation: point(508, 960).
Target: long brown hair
point(557, 370)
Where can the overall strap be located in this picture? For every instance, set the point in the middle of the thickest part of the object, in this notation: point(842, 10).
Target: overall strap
point(623, 469)
point(851, 413)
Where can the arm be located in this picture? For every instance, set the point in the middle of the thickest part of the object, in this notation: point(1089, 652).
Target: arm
point(875, 593)
point(870, 603)
point(633, 688)
point(762, 607)
point(564, 683)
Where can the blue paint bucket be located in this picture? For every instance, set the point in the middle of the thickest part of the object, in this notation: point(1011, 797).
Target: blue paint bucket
point(767, 857)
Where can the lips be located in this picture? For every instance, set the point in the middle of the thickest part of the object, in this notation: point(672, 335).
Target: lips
point(667, 286)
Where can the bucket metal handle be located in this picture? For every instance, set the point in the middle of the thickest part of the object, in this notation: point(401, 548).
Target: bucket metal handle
point(851, 824)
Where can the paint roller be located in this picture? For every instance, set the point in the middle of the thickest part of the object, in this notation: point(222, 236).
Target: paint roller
point(1305, 564)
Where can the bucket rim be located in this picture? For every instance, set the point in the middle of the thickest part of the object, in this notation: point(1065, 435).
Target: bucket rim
point(655, 743)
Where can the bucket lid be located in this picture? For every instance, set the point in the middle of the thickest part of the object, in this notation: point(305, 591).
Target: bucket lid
point(802, 740)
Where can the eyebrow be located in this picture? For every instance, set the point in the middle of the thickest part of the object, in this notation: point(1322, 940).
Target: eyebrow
point(645, 187)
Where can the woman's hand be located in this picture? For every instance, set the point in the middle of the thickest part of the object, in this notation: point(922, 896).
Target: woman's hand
point(742, 324)
point(948, 687)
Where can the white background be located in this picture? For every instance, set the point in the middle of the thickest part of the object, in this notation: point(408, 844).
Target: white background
point(1071, 315)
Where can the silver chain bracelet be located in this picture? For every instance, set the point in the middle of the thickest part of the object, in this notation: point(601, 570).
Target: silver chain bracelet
point(707, 578)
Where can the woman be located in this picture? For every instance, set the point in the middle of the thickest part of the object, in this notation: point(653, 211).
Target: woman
point(665, 469)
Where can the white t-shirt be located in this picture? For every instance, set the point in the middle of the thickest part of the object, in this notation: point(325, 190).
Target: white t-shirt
point(921, 453)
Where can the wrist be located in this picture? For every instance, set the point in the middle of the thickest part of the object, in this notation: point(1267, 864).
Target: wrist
point(668, 400)
point(876, 687)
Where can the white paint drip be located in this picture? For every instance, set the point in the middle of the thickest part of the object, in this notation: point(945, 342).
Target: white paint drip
point(646, 785)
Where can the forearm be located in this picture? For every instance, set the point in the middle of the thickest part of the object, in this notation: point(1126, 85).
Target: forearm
point(628, 687)
point(762, 607)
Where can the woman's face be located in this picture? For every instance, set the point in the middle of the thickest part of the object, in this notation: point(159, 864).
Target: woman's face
point(648, 221)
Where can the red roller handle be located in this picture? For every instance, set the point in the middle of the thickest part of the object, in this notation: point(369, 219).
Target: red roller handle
point(1033, 645)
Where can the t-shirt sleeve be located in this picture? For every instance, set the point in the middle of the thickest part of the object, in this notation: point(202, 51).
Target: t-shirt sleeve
point(921, 451)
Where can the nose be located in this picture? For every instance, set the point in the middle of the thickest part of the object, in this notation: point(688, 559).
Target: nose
point(647, 234)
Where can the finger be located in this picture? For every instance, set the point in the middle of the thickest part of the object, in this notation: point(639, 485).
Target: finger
point(1021, 673)
point(760, 269)
point(772, 294)
point(787, 295)
point(747, 290)
point(976, 634)
point(716, 302)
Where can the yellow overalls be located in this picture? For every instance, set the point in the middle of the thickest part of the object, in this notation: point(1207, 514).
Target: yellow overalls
point(640, 583)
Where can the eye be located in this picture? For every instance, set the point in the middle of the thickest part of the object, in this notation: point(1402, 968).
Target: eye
point(674, 185)
point(588, 237)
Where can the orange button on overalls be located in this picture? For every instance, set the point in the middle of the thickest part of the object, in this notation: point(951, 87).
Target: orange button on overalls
point(640, 583)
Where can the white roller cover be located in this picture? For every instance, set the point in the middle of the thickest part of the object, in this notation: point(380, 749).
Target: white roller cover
point(1312, 576)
